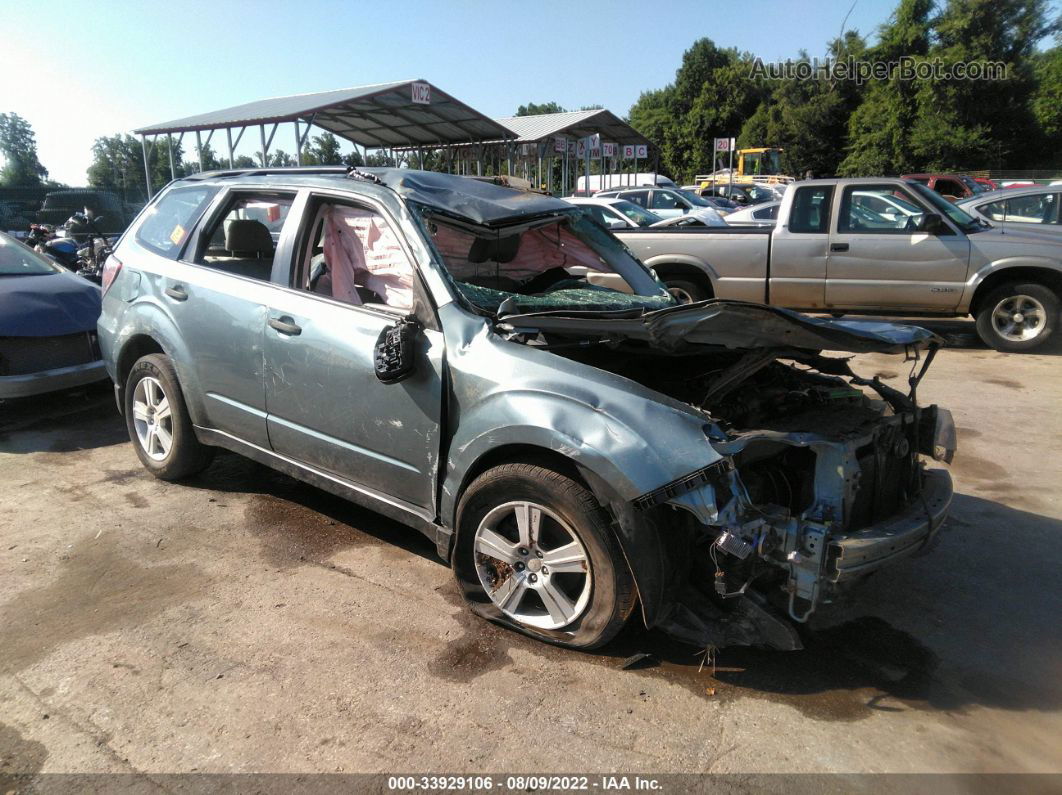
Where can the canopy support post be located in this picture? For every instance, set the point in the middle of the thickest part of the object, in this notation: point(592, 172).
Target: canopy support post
point(199, 148)
point(169, 147)
point(228, 135)
point(147, 168)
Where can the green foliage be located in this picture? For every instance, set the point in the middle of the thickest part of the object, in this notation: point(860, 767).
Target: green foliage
point(535, 109)
point(882, 126)
point(18, 145)
point(323, 152)
point(1047, 103)
point(118, 165)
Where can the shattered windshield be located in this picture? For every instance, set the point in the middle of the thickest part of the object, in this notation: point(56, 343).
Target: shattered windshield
point(561, 261)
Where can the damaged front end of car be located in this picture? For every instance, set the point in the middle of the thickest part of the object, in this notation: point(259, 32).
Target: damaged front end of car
point(818, 479)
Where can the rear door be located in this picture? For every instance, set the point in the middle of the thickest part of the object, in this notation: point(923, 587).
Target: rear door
point(880, 261)
point(326, 408)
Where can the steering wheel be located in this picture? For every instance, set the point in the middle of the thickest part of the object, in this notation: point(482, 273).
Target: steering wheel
point(545, 280)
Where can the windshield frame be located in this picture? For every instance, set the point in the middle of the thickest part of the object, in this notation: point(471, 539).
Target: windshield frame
point(958, 216)
point(49, 267)
point(649, 216)
point(425, 214)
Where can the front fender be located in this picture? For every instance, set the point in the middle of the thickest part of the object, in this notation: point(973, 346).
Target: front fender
point(1002, 264)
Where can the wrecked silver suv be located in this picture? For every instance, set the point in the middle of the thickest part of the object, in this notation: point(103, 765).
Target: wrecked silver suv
point(494, 369)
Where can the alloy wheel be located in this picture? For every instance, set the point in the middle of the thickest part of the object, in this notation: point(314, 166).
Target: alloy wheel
point(532, 565)
point(152, 418)
point(1018, 318)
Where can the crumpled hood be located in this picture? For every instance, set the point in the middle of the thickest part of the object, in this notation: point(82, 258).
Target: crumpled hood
point(736, 325)
point(47, 305)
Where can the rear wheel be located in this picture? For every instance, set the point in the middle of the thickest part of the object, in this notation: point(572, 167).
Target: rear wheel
point(539, 547)
point(686, 290)
point(158, 421)
point(1018, 317)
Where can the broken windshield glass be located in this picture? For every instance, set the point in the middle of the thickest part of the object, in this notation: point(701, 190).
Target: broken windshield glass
point(548, 263)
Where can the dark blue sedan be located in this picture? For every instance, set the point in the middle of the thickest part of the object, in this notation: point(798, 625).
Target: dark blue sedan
point(47, 324)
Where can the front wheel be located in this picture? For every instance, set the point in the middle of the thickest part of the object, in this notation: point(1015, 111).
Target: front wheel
point(537, 545)
point(1018, 317)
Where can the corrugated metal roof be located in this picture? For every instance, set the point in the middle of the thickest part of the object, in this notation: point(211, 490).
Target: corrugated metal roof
point(576, 124)
point(379, 115)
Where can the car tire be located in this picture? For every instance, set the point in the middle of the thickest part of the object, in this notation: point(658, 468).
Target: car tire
point(597, 587)
point(1018, 317)
point(686, 291)
point(158, 423)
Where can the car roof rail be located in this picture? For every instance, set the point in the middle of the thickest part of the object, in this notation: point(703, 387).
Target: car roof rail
point(258, 172)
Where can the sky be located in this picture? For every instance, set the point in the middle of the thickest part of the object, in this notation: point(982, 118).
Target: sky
point(77, 71)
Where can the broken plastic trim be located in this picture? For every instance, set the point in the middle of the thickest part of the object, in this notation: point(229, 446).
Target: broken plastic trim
point(714, 474)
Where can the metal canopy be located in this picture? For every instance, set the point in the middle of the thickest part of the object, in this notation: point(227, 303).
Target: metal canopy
point(574, 124)
point(377, 116)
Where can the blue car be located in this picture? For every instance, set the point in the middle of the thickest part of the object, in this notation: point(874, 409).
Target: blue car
point(47, 324)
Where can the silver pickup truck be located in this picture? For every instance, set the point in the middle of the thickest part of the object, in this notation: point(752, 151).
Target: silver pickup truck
point(881, 246)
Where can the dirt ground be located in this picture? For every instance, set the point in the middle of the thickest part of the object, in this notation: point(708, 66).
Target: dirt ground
point(245, 622)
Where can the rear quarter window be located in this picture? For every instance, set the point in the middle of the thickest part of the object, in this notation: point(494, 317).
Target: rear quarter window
point(168, 222)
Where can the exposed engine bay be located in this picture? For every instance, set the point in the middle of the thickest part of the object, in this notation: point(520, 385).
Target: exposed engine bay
point(820, 478)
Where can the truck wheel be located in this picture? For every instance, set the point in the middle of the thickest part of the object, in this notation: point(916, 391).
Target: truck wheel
point(158, 421)
point(1018, 317)
point(538, 546)
point(686, 291)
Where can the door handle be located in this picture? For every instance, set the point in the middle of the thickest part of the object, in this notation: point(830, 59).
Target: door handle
point(285, 325)
point(838, 247)
point(177, 293)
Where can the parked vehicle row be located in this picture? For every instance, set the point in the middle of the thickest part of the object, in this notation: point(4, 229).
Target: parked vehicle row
point(495, 369)
point(883, 246)
point(47, 324)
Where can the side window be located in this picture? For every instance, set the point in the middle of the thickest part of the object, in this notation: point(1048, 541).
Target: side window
point(639, 197)
point(1037, 209)
point(811, 210)
point(354, 255)
point(597, 213)
point(243, 238)
point(769, 214)
point(948, 187)
point(664, 200)
point(167, 222)
point(881, 209)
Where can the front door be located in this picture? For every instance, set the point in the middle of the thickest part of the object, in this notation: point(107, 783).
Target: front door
point(879, 259)
point(352, 277)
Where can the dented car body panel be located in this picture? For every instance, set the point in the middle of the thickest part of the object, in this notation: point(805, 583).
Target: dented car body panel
point(746, 472)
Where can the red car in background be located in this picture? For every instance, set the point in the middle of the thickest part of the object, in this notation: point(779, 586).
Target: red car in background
point(950, 186)
point(986, 183)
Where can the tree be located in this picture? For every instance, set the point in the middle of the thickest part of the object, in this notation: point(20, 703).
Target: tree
point(533, 109)
point(963, 122)
point(712, 96)
point(880, 127)
point(118, 165)
point(210, 160)
point(808, 118)
point(1047, 104)
point(324, 152)
point(18, 145)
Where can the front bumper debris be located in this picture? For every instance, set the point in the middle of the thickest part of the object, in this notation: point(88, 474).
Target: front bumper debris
point(864, 551)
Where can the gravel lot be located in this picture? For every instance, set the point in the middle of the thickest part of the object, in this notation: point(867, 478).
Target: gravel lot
point(245, 622)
